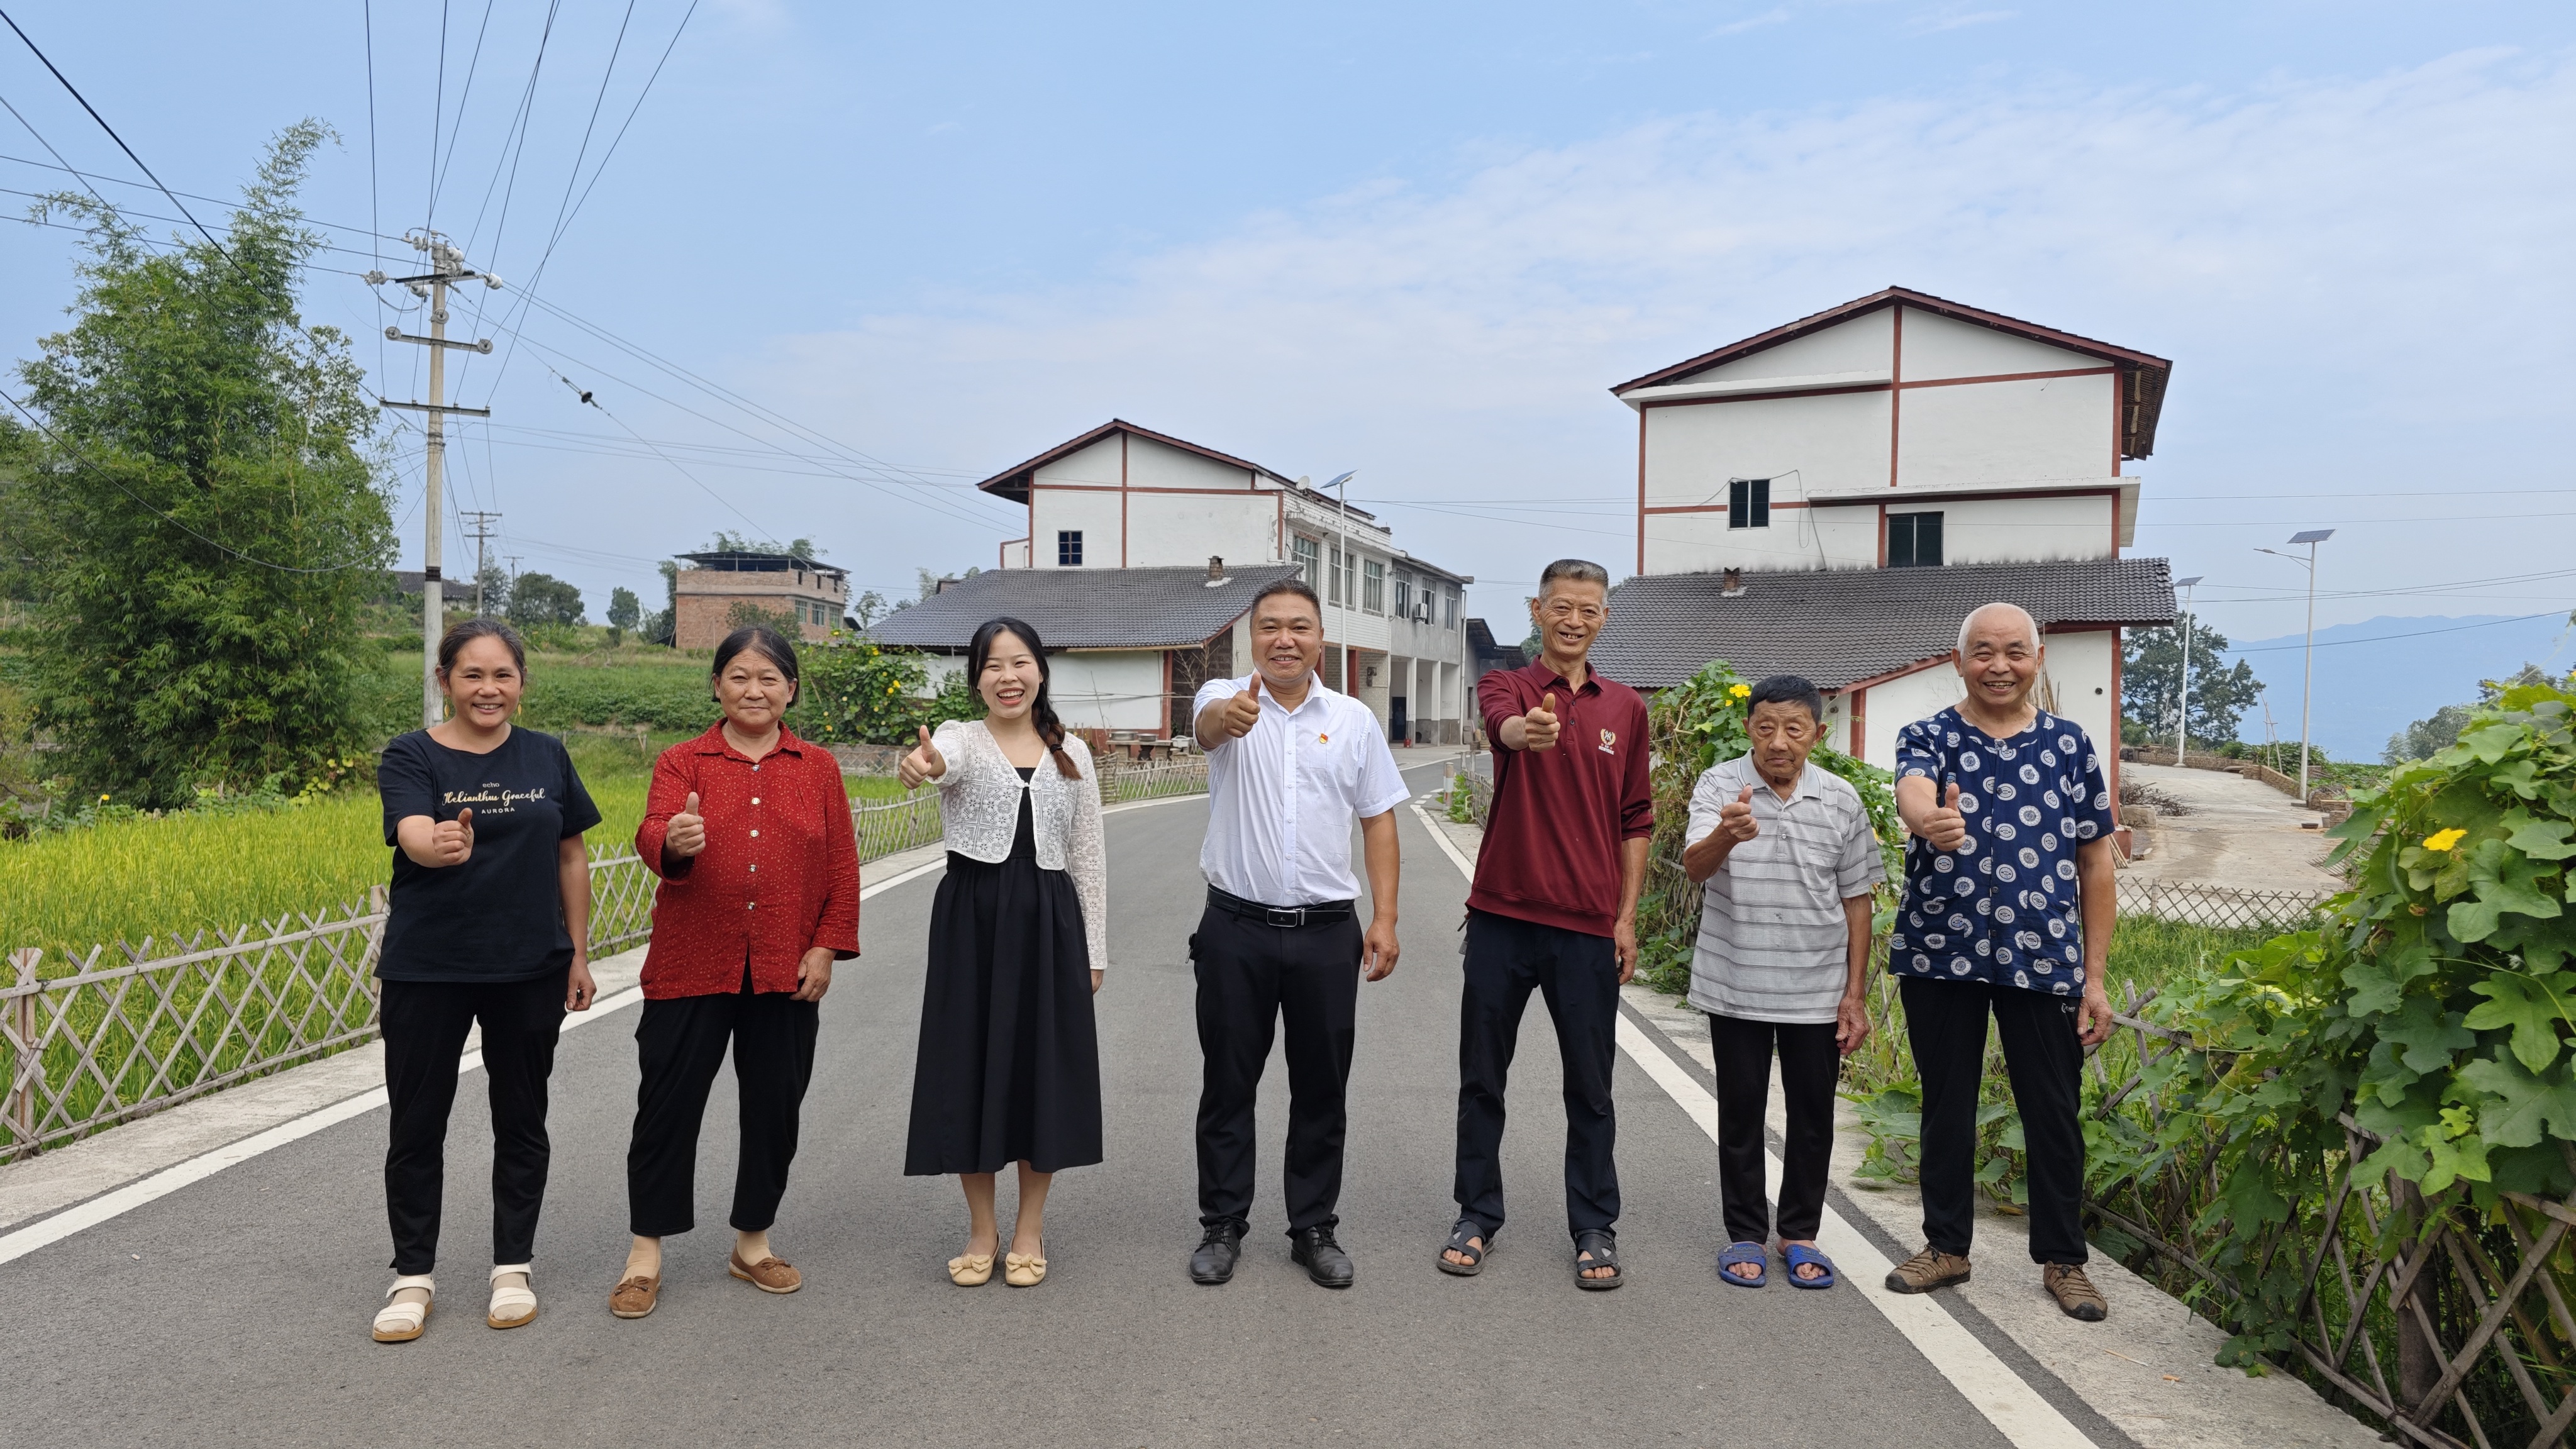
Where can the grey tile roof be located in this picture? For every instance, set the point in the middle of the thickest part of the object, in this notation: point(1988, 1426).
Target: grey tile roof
point(1842, 625)
point(1085, 608)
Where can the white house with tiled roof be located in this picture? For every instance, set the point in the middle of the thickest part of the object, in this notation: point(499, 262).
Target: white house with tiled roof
point(1124, 497)
point(1900, 431)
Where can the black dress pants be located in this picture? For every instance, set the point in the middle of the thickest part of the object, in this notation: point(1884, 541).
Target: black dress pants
point(424, 1025)
point(1251, 975)
point(1945, 1023)
point(1810, 1066)
point(681, 1041)
point(1578, 974)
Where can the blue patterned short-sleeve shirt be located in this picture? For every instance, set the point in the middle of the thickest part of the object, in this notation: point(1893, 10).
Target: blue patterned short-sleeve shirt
point(2003, 908)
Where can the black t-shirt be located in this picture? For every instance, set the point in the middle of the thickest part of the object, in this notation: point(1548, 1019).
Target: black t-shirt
point(499, 916)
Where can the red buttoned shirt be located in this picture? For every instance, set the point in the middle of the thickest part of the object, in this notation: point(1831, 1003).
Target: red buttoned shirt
point(779, 876)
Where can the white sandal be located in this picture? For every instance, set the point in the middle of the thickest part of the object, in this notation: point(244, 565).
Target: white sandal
point(403, 1322)
point(511, 1307)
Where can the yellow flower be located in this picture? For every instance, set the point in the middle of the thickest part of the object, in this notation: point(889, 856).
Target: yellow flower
point(1739, 690)
point(102, 799)
point(2445, 839)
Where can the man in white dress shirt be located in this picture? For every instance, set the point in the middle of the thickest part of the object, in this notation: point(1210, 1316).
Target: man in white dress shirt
point(1290, 765)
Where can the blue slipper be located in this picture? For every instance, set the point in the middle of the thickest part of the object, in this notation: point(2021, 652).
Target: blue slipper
point(1799, 1256)
point(1737, 1253)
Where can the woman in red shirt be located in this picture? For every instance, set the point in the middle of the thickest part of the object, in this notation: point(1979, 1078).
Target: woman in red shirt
point(749, 829)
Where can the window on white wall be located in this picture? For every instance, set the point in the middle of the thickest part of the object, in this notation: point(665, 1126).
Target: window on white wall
point(1914, 540)
point(1450, 603)
point(1308, 556)
point(1068, 548)
point(1403, 595)
point(1748, 503)
point(1373, 588)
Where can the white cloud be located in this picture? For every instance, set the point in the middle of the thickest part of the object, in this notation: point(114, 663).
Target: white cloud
point(2333, 264)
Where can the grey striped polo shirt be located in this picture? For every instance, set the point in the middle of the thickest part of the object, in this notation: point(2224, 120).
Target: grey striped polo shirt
point(1773, 942)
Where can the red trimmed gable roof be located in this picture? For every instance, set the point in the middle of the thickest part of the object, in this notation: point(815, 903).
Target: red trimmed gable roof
point(2142, 374)
point(1013, 482)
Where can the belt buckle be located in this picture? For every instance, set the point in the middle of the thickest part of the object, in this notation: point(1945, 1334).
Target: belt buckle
point(1286, 916)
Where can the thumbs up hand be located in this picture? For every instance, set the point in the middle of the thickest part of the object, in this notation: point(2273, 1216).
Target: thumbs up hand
point(924, 763)
point(451, 842)
point(1539, 727)
point(687, 834)
point(1737, 820)
point(1946, 827)
point(1243, 711)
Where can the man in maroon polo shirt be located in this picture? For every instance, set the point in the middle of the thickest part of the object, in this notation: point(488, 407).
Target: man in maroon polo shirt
point(1553, 910)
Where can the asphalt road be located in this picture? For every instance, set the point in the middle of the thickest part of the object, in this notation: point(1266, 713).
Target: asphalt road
point(235, 1310)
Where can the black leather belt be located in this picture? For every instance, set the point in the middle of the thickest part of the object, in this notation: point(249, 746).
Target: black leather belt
point(1289, 917)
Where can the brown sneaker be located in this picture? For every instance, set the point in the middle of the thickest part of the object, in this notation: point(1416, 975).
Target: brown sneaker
point(769, 1275)
point(2075, 1292)
point(635, 1297)
point(1926, 1271)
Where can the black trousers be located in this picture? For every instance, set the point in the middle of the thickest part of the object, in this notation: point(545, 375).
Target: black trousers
point(424, 1025)
point(1810, 1066)
point(1251, 976)
point(680, 1042)
point(1578, 974)
point(1945, 1023)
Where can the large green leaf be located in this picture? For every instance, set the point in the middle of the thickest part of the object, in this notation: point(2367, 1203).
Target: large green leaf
point(2529, 1007)
point(2520, 1106)
point(2426, 1035)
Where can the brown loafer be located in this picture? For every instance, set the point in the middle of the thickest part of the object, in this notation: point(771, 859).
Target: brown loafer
point(2075, 1293)
point(769, 1275)
point(1926, 1271)
point(635, 1297)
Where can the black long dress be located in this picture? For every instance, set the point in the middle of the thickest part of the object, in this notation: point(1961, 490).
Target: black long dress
point(1009, 1065)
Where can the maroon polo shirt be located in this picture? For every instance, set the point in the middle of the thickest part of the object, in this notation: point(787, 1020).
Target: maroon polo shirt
point(1560, 816)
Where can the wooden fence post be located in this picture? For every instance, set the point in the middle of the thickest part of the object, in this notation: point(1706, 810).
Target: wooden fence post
point(22, 1081)
point(2419, 1358)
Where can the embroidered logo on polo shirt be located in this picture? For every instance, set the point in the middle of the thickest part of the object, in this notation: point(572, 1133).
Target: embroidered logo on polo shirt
point(1322, 738)
point(1607, 740)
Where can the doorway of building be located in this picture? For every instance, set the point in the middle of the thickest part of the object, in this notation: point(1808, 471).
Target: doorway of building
point(1395, 731)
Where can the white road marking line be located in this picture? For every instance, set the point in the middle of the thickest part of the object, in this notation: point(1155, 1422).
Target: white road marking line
point(1985, 1381)
point(122, 1200)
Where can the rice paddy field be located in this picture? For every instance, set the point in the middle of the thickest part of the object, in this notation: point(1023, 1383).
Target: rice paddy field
point(190, 871)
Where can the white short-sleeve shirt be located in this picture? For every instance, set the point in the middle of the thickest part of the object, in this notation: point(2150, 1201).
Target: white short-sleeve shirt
point(1281, 800)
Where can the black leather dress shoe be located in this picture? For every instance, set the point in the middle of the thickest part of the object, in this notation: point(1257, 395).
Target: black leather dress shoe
point(1214, 1261)
point(1322, 1258)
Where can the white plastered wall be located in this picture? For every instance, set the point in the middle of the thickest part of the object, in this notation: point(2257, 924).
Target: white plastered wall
point(1862, 344)
point(1937, 346)
point(1108, 689)
point(1175, 529)
point(2018, 530)
point(1095, 515)
point(2007, 432)
point(2075, 681)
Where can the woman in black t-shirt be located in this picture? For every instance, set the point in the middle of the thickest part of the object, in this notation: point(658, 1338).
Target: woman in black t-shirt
point(489, 923)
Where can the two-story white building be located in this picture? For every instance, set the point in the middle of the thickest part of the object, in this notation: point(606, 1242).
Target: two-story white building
point(1125, 497)
point(1827, 497)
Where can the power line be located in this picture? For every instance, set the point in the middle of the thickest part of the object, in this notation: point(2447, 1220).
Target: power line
point(375, 204)
point(50, 151)
point(119, 140)
point(590, 401)
point(438, 179)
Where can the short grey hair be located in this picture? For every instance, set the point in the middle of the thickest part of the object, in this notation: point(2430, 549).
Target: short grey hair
point(1573, 570)
point(1970, 622)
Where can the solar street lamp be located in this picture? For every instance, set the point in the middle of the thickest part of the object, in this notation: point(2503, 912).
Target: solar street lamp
point(2308, 671)
point(2182, 725)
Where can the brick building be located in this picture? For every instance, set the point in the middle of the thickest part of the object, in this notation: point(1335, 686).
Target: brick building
point(815, 595)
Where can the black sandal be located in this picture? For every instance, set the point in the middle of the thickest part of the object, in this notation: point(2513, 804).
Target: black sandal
point(1603, 1245)
point(1467, 1228)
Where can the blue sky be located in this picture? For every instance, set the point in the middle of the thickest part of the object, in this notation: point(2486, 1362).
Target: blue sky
point(1420, 241)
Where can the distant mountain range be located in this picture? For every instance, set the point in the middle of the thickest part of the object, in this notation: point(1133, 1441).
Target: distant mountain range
point(2376, 677)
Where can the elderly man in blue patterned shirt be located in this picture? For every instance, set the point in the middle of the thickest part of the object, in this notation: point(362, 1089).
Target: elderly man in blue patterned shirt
point(2008, 910)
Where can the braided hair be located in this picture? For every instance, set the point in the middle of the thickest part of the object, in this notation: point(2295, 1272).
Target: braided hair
point(1042, 711)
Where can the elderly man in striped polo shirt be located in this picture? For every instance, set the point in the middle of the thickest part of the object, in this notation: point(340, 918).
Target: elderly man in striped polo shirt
point(1788, 861)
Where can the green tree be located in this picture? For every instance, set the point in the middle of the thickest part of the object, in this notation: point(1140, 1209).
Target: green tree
point(492, 592)
point(200, 516)
point(663, 627)
point(544, 599)
point(2151, 683)
point(624, 608)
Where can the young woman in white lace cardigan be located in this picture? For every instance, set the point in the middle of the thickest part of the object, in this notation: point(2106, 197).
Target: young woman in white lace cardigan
point(1009, 1065)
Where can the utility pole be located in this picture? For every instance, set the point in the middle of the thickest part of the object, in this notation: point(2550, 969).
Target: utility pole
point(2308, 670)
point(2182, 722)
point(1346, 576)
point(479, 529)
point(446, 267)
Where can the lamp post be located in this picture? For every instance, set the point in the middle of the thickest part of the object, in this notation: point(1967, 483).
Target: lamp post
point(2182, 721)
point(1342, 561)
point(2308, 670)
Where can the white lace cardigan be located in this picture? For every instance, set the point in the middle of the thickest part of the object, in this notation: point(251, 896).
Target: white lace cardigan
point(979, 806)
